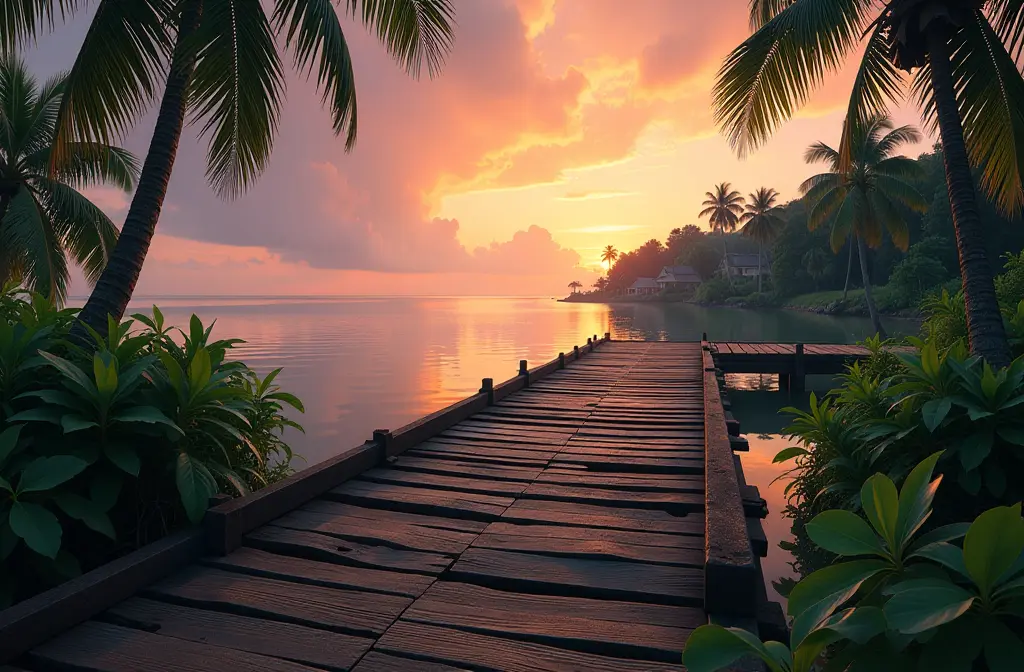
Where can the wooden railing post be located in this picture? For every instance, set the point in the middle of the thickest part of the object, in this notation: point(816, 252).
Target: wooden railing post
point(487, 387)
point(576, 351)
point(607, 335)
point(561, 360)
point(523, 371)
point(796, 383)
point(382, 437)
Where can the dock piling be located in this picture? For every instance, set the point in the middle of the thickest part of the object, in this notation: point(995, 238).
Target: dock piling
point(487, 387)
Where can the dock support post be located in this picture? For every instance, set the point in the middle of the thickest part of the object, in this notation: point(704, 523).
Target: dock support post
point(382, 437)
point(797, 383)
point(561, 360)
point(523, 371)
point(487, 387)
point(576, 351)
point(607, 335)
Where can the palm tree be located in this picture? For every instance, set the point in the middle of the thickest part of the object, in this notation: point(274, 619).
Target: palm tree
point(816, 262)
point(44, 219)
point(575, 285)
point(601, 284)
point(762, 222)
point(609, 255)
point(966, 81)
point(723, 208)
point(222, 65)
point(861, 200)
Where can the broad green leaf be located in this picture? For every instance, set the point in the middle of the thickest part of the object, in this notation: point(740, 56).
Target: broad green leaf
point(975, 448)
point(844, 533)
point(87, 511)
point(992, 545)
point(8, 442)
point(710, 648)
point(38, 527)
point(46, 473)
point(955, 646)
point(915, 499)
point(147, 414)
point(295, 403)
point(881, 505)
point(192, 486)
point(105, 373)
point(789, 453)
point(50, 415)
point(934, 412)
point(944, 533)
point(945, 554)
point(105, 488)
point(818, 595)
point(1014, 435)
point(1004, 651)
point(72, 373)
point(920, 609)
point(124, 457)
point(74, 423)
point(199, 371)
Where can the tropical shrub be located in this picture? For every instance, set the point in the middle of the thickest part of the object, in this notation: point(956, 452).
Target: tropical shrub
point(1010, 284)
point(107, 448)
point(903, 598)
point(715, 290)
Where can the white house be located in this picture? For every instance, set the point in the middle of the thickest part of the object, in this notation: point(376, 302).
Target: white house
point(643, 286)
point(678, 278)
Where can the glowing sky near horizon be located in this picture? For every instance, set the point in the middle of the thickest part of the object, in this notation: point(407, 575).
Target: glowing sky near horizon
point(556, 128)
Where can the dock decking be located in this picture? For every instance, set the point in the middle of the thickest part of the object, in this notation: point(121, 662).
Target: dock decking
point(560, 528)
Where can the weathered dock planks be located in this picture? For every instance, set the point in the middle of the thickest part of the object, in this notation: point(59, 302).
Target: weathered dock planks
point(562, 527)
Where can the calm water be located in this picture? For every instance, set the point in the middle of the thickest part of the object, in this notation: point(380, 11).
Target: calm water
point(361, 364)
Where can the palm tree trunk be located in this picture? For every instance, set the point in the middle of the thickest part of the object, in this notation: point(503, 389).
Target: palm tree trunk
point(759, 247)
point(114, 289)
point(876, 320)
point(984, 321)
point(849, 267)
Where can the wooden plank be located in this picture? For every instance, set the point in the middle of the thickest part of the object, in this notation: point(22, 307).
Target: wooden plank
point(626, 629)
point(296, 643)
point(381, 662)
point(421, 500)
point(589, 547)
point(369, 516)
point(496, 472)
point(408, 536)
point(102, 647)
point(575, 577)
point(481, 486)
point(324, 548)
point(300, 570)
point(227, 523)
point(638, 482)
point(572, 534)
point(347, 611)
point(39, 618)
point(673, 502)
point(732, 575)
point(419, 430)
point(460, 648)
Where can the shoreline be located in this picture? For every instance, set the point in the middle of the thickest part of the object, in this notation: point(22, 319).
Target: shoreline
point(831, 309)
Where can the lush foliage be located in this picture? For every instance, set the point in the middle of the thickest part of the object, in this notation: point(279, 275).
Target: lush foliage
point(106, 448)
point(903, 598)
point(44, 219)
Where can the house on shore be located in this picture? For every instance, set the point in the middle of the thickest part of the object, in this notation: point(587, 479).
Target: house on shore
point(744, 265)
point(643, 286)
point(678, 279)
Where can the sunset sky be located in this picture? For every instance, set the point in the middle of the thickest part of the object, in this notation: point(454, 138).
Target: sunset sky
point(556, 128)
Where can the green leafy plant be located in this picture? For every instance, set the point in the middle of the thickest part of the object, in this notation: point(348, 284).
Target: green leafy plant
point(900, 599)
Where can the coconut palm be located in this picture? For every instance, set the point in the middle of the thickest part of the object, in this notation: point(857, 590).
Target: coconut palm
point(862, 199)
point(762, 221)
point(723, 208)
point(601, 284)
point(965, 54)
point(609, 255)
point(219, 61)
point(815, 261)
point(575, 285)
point(44, 219)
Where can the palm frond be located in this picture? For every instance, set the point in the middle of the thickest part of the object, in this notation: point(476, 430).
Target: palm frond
point(1007, 19)
point(312, 31)
point(763, 11)
point(849, 212)
point(825, 205)
point(44, 264)
point(877, 83)
point(413, 31)
point(87, 164)
point(770, 75)
point(899, 166)
point(236, 92)
point(18, 92)
point(904, 135)
point(819, 152)
point(819, 182)
point(86, 232)
point(116, 73)
point(890, 219)
point(897, 190)
point(22, 21)
point(990, 95)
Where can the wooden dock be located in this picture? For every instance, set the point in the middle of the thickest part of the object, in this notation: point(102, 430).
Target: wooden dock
point(791, 361)
point(587, 515)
